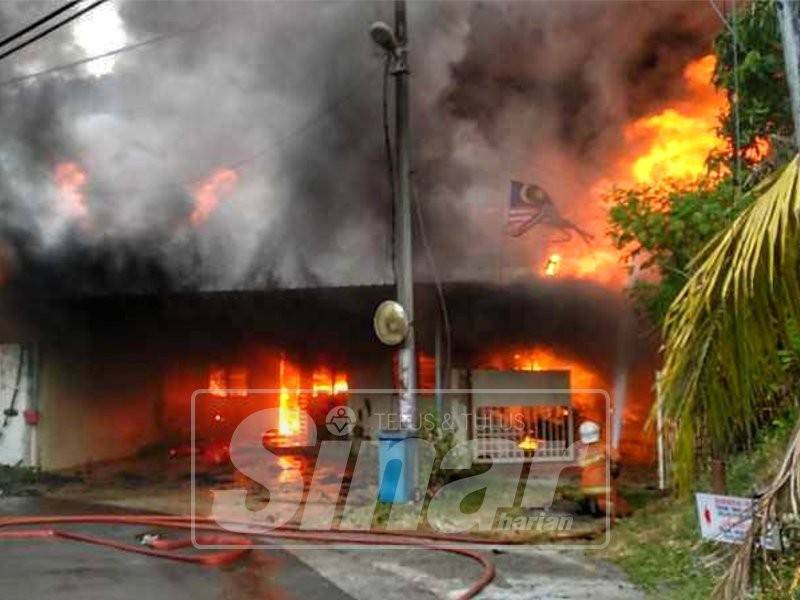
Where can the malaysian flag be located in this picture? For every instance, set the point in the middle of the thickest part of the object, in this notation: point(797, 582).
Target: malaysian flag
point(530, 205)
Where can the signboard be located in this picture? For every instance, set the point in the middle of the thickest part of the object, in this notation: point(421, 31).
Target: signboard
point(724, 518)
point(727, 519)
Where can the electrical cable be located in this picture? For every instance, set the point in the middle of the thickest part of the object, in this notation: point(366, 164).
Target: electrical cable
point(438, 285)
point(720, 15)
point(89, 59)
point(390, 162)
point(736, 118)
point(735, 48)
point(18, 34)
point(324, 112)
point(51, 29)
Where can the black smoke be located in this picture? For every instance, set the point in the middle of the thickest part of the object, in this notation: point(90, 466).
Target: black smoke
point(289, 94)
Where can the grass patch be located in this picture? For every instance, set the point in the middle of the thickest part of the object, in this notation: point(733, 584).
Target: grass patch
point(26, 481)
point(660, 549)
point(660, 546)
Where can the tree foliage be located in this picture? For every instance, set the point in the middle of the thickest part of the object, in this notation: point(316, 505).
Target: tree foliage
point(668, 224)
point(724, 252)
point(724, 331)
point(664, 227)
point(758, 85)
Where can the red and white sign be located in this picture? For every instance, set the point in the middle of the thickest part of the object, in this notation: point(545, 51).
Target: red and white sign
point(727, 519)
point(724, 518)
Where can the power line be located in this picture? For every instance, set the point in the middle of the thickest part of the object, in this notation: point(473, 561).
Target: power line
point(51, 29)
point(10, 38)
point(721, 15)
point(437, 280)
point(732, 27)
point(83, 61)
point(736, 114)
point(725, 21)
point(387, 140)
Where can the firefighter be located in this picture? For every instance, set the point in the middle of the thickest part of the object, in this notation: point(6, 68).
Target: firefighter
point(597, 480)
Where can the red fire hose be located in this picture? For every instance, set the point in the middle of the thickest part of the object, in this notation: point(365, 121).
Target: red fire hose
point(214, 534)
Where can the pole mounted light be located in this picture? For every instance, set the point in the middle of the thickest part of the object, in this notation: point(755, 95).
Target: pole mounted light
point(385, 38)
point(393, 41)
point(383, 35)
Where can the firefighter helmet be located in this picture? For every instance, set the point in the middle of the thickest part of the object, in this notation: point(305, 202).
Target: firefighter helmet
point(589, 432)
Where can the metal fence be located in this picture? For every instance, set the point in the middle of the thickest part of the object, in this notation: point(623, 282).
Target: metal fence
point(512, 434)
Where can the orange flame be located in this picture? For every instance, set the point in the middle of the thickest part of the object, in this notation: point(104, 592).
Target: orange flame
point(288, 399)
point(680, 138)
point(551, 268)
point(671, 144)
point(325, 384)
point(636, 440)
point(321, 383)
point(600, 263)
point(528, 443)
point(758, 151)
point(208, 194)
point(217, 381)
point(340, 386)
point(70, 180)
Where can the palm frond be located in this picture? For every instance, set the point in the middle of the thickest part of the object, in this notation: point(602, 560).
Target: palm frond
point(723, 331)
point(779, 502)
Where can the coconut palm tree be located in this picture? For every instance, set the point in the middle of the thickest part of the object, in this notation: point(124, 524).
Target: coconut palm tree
point(724, 331)
point(723, 339)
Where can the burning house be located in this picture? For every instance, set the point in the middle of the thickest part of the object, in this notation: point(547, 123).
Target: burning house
point(161, 239)
point(105, 377)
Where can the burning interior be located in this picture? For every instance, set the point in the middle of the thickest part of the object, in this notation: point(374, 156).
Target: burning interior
point(126, 384)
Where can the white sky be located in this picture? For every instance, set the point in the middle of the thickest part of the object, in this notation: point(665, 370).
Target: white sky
point(100, 30)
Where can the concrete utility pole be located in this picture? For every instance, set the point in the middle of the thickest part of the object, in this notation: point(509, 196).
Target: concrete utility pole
point(787, 17)
point(406, 359)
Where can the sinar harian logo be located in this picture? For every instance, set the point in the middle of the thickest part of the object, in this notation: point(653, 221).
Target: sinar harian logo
point(341, 420)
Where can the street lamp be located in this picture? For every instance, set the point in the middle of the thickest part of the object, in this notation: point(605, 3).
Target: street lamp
point(393, 41)
point(383, 35)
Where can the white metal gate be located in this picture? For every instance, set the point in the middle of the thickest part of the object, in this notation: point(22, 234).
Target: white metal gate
point(507, 434)
point(522, 416)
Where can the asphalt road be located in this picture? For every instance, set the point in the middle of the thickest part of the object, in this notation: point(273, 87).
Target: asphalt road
point(62, 570)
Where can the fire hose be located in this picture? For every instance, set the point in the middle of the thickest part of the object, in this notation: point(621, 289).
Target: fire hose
point(213, 534)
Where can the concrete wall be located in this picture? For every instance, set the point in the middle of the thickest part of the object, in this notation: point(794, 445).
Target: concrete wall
point(99, 401)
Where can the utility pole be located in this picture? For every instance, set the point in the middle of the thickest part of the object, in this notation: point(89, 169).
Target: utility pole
point(406, 359)
point(787, 17)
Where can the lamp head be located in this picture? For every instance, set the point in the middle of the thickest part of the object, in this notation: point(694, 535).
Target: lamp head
point(390, 323)
point(383, 35)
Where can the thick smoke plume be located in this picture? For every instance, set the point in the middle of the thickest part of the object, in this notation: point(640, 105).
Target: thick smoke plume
point(288, 95)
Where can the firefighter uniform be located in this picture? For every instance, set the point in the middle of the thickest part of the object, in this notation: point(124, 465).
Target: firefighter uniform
point(597, 485)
